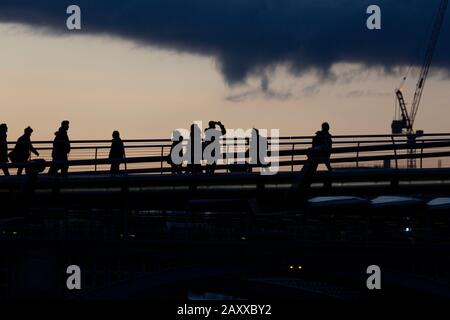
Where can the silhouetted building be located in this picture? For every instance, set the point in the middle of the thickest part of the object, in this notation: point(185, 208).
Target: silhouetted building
point(61, 150)
point(117, 152)
point(22, 150)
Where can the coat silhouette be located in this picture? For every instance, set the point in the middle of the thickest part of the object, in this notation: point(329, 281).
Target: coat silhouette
point(117, 152)
point(321, 145)
point(177, 140)
point(210, 168)
point(22, 150)
point(319, 153)
point(61, 150)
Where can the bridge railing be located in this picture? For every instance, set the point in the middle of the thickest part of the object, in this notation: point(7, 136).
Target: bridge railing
point(356, 151)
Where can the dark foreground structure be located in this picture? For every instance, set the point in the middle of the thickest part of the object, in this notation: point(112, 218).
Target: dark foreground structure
point(147, 233)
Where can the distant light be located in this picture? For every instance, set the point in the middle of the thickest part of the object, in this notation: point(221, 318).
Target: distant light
point(291, 267)
point(407, 229)
point(300, 267)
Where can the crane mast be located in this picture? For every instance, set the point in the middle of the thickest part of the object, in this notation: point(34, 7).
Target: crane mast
point(408, 118)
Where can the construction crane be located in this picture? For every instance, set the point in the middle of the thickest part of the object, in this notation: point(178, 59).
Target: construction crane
point(406, 123)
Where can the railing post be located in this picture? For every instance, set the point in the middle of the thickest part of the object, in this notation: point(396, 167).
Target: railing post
point(227, 150)
point(395, 152)
point(247, 151)
point(125, 162)
point(162, 154)
point(292, 157)
point(236, 151)
point(421, 154)
point(357, 155)
point(96, 151)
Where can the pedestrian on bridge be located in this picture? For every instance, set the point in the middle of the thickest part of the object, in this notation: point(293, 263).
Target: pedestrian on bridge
point(213, 132)
point(4, 148)
point(117, 152)
point(22, 150)
point(61, 150)
point(321, 145)
point(177, 139)
point(319, 153)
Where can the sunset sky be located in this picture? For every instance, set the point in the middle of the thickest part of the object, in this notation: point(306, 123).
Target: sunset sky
point(145, 85)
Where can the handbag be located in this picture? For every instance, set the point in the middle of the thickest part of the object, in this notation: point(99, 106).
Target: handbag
point(12, 156)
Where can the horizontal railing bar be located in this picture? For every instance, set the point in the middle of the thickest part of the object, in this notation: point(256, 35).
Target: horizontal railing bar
point(399, 136)
point(158, 159)
point(162, 159)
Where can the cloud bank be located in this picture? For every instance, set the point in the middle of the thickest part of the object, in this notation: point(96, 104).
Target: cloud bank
point(252, 37)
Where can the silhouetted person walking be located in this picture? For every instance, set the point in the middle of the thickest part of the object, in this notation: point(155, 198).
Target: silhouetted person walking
point(322, 144)
point(195, 149)
point(177, 140)
point(319, 153)
point(22, 150)
point(4, 148)
point(210, 168)
point(61, 150)
point(117, 152)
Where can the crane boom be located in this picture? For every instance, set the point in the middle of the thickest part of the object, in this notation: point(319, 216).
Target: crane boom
point(408, 118)
point(428, 58)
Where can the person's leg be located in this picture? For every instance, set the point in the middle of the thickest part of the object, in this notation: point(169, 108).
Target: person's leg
point(327, 163)
point(5, 170)
point(327, 183)
point(53, 168)
point(308, 170)
point(197, 168)
point(19, 171)
point(115, 167)
point(176, 168)
point(64, 169)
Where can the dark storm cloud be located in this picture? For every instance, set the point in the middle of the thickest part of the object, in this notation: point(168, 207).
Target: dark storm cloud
point(251, 37)
point(264, 90)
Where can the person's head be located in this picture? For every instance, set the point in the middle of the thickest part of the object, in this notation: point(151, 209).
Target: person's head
point(212, 124)
point(65, 125)
point(3, 127)
point(116, 134)
point(325, 127)
point(28, 131)
point(195, 127)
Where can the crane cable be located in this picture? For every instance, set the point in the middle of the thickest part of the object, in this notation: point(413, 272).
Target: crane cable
point(420, 49)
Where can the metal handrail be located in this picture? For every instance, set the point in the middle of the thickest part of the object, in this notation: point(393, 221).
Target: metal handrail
point(150, 154)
